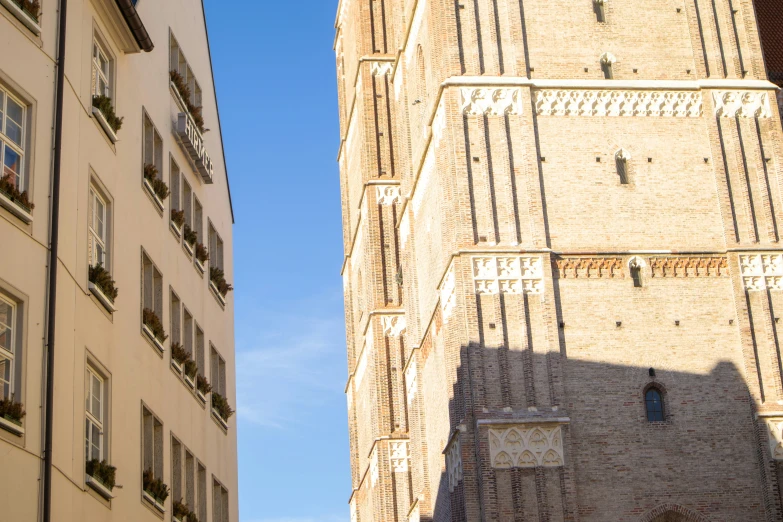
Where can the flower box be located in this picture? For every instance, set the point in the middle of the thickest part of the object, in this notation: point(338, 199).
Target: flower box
point(174, 227)
point(23, 16)
point(220, 419)
point(155, 341)
point(15, 209)
point(201, 396)
point(105, 301)
point(189, 381)
point(149, 498)
point(217, 294)
point(98, 486)
point(155, 197)
point(177, 366)
point(12, 426)
point(200, 267)
point(188, 248)
point(96, 112)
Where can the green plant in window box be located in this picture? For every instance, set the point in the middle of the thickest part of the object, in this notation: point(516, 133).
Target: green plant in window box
point(8, 187)
point(218, 277)
point(190, 236)
point(180, 510)
point(221, 406)
point(31, 7)
point(184, 92)
point(178, 217)
point(102, 472)
point(101, 278)
point(153, 322)
point(12, 410)
point(191, 368)
point(179, 354)
point(201, 253)
point(103, 104)
point(155, 487)
point(202, 384)
point(159, 186)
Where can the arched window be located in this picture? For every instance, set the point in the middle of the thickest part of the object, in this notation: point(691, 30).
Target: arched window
point(607, 61)
point(599, 6)
point(621, 159)
point(635, 265)
point(653, 401)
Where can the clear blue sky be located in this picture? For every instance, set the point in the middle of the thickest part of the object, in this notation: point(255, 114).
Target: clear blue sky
point(275, 77)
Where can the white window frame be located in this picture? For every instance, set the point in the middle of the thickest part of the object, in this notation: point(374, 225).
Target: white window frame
point(6, 354)
point(152, 151)
point(7, 143)
point(221, 511)
point(99, 48)
point(91, 420)
point(218, 371)
point(95, 237)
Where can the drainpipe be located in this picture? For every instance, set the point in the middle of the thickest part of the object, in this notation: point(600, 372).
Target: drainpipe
point(54, 234)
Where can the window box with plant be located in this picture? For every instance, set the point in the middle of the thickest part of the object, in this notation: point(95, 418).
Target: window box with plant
point(221, 409)
point(178, 357)
point(190, 237)
point(100, 477)
point(177, 221)
point(218, 284)
point(182, 513)
point(102, 287)
point(153, 328)
point(11, 415)
point(155, 186)
point(183, 95)
point(103, 110)
point(191, 369)
point(154, 491)
point(17, 203)
point(202, 388)
point(26, 11)
point(202, 255)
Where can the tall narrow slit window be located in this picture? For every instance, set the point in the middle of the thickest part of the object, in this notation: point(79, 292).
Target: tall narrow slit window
point(176, 206)
point(152, 300)
point(202, 492)
point(188, 333)
point(101, 70)
point(198, 220)
point(176, 319)
point(176, 470)
point(94, 404)
point(621, 158)
point(152, 444)
point(599, 6)
point(220, 508)
point(153, 162)
point(190, 481)
point(187, 207)
point(200, 351)
point(13, 115)
point(98, 229)
point(218, 368)
point(607, 65)
point(215, 249)
point(654, 403)
point(8, 352)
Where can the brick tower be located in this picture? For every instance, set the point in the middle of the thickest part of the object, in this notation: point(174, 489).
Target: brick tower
point(563, 272)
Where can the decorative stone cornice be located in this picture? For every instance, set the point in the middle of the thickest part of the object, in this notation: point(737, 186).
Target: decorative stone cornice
point(589, 267)
point(741, 104)
point(381, 68)
point(762, 271)
point(526, 446)
point(582, 102)
point(775, 432)
point(496, 101)
point(388, 194)
point(508, 274)
point(399, 456)
point(689, 266)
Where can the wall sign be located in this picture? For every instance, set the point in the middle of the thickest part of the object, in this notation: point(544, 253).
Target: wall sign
point(193, 143)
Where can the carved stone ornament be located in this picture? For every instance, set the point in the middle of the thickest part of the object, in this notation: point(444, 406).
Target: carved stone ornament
point(454, 463)
point(526, 447)
point(608, 59)
point(741, 104)
point(508, 275)
point(448, 293)
point(495, 101)
point(388, 194)
point(393, 325)
point(399, 456)
point(581, 102)
point(411, 381)
point(775, 429)
point(374, 473)
point(590, 267)
point(689, 266)
point(381, 68)
point(762, 271)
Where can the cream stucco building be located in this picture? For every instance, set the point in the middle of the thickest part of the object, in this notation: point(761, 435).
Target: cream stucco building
point(145, 209)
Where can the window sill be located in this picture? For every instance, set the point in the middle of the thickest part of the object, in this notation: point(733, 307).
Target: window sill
point(188, 248)
point(177, 231)
point(96, 112)
point(11, 426)
point(15, 209)
point(107, 304)
point(216, 293)
point(154, 502)
point(189, 382)
point(98, 487)
point(223, 424)
point(176, 366)
point(199, 267)
point(23, 16)
point(201, 397)
point(151, 337)
point(155, 197)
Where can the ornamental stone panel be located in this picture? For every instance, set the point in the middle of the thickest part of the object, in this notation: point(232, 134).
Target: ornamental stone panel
point(762, 271)
point(583, 102)
point(508, 275)
point(526, 446)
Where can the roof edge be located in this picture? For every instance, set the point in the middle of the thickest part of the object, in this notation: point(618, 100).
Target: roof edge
point(135, 24)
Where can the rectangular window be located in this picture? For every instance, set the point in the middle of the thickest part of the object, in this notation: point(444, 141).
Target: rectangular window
point(153, 148)
point(175, 195)
point(99, 220)
point(176, 319)
point(188, 333)
point(176, 470)
point(218, 367)
point(152, 444)
point(190, 480)
point(179, 63)
point(202, 492)
point(200, 351)
point(9, 353)
point(101, 70)
point(215, 249)
point(152, 290)
point(198, 219)
point(94, 404)
point(187, 203)
point(220, 509)
point(13, 114)
point(186, 478)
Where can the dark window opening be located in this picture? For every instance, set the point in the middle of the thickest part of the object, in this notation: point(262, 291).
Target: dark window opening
point(654, 403)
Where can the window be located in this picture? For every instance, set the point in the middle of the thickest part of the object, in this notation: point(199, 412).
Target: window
point(8, 349)
point(175, 191)
point(654, 403)
point(621, 159)
point(153, 147)
point(218, 367)
point(198, 220)
point(188, 333)
point(607, 63)
point(12, 139)
point(152, 444)
point(220, 507)
point(215, 249)
point(152, 299)
point(202, 493)
point(179, 64)
point(636, 265)
point(176, 319)
point(99, 219)
point(188, 479)
point(95, 400)
point(176, 470)
point(599, 6)
point(200, 351)
point(101, 70)
point(187, 203)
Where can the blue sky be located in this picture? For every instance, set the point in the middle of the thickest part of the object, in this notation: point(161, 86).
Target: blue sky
point(274, 71)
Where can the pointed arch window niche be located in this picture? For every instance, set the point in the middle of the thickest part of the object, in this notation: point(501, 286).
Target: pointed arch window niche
point(607, 65)
point(622, 158)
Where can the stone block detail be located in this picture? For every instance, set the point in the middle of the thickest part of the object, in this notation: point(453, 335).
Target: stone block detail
point(579, 102)
point(399, 456)
point(526, 446)
point(493, 101)
point(741, 104)
point(689, 266)
point(762, 271)
point(590, 267)
point(388, 194)
point(393, 325)
point(508, 275)
point(775, 431)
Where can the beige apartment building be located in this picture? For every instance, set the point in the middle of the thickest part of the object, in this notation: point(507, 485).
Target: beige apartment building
point(563, 270)
point(117, 180)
